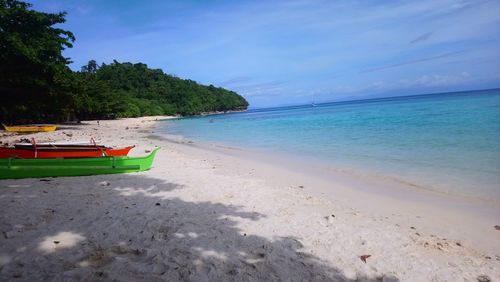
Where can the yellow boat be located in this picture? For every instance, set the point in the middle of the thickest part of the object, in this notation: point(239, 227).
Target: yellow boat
point(30, 128)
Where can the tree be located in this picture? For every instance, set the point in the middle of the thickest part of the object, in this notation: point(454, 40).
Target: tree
point(35, 81)
point(129, 90)
point(91, 67)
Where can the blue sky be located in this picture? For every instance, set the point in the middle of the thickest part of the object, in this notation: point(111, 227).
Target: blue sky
point(291, 52)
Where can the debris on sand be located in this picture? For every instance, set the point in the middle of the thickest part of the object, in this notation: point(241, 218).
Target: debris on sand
point(364, 257)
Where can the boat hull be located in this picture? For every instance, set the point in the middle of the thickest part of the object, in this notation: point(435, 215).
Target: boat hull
point(35, 168)
point(29, 128)
point(46, 153)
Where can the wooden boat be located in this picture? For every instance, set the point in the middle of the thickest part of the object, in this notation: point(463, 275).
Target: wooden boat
point(30, 128)
point(28, 151)
point(34, 150)
point(13, 168)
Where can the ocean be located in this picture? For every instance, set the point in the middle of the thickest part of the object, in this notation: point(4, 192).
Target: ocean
point(447, 143)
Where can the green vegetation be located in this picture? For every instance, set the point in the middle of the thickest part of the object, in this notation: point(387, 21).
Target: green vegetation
point(36, 83)
point(132, 90)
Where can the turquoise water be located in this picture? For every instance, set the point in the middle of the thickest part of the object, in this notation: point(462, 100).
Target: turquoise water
point(444, 142)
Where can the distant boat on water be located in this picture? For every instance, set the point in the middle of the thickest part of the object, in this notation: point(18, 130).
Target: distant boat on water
point(313, 104)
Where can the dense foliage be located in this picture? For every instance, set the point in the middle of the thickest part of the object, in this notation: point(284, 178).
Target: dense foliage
point(131, 90)
point(36, 83)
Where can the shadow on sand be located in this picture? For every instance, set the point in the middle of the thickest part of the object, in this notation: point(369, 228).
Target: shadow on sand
point(131, 227)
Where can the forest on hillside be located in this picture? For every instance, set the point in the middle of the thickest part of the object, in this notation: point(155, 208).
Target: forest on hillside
point(37, 85)
point(132, 90)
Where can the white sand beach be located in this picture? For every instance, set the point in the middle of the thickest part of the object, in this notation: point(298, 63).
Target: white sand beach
point(207, 213)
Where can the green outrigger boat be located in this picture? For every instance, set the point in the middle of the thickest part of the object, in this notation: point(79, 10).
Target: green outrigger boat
point(12, 168)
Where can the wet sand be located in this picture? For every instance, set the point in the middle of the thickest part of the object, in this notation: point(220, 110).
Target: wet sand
point(217, 214)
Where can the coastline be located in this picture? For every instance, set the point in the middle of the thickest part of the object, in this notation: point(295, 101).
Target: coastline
point(462, 218)
point(226, 214)
point(334, 172)
point(220, 112)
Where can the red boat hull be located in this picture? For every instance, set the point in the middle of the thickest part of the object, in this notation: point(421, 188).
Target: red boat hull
point(6, 152)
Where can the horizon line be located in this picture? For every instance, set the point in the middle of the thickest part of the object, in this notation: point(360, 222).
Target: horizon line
point(372, 99)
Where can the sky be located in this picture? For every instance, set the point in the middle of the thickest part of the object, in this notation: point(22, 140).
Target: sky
point(296, 51)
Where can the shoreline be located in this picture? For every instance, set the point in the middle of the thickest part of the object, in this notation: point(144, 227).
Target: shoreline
point(471, 217)
point(312, 164)
point(217, 215)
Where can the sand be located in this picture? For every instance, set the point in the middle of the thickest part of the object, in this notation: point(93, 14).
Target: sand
point(212, 214)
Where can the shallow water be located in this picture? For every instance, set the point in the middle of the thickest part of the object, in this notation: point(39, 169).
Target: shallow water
point(445, 142)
